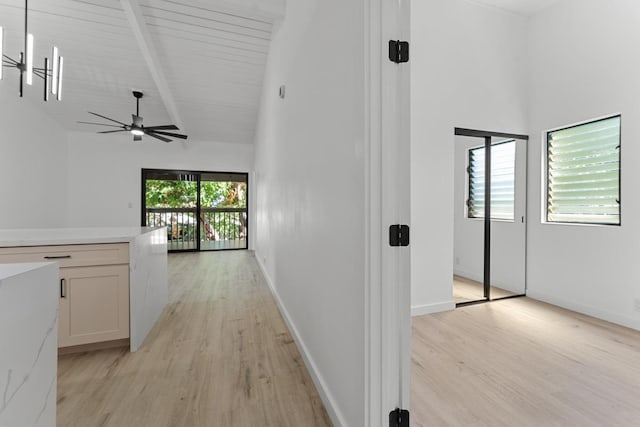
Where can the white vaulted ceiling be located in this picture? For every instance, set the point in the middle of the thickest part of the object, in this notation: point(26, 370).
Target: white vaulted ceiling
point(203, 69)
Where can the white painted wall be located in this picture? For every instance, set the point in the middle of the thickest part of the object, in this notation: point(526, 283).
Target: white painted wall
point(33, 160)
point(584, 66)
point(310, 183)
point(508, 238)
point(104, 174)
point(468, 69)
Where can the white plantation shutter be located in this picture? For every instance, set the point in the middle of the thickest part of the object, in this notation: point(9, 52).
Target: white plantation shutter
point(503, 158)
point(583, 173)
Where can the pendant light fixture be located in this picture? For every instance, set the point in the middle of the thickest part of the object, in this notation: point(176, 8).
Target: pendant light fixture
point(51, 73)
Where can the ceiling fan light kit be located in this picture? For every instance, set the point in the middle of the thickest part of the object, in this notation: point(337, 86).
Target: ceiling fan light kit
point(136, 127)
point(51, 73)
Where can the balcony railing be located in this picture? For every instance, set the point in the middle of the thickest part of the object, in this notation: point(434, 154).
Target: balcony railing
point(220, 228)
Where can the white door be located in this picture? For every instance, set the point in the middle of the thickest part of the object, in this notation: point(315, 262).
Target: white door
point(388, 189)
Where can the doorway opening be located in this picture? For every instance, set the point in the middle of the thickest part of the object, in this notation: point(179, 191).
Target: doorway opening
point(202, 211)
point(490, 216)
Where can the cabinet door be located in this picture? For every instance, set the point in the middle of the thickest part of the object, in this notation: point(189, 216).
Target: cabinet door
point(94, 304)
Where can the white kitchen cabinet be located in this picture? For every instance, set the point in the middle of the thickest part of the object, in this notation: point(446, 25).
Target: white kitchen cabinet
point(94, 289)
point(94, 304)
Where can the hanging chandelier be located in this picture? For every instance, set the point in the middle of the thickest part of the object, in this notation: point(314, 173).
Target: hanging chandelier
point(51, 73)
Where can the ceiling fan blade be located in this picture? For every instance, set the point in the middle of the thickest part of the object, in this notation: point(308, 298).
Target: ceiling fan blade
point(161, 138)
point(137, 137)
point(137, 120)
point(175, 135)
point(107, 118)
point(113, 131)
point(99, 124)
point(163, 127)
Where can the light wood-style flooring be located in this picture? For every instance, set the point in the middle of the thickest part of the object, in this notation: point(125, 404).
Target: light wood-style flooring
point(519, 362)
point(466, 290)
point(220, 355)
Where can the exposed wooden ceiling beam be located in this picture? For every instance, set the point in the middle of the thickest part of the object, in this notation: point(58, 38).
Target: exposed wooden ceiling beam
point(136, 21)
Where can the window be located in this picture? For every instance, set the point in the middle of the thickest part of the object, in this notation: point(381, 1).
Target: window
point(583, 173)
point(202, 211)
point(503, 158)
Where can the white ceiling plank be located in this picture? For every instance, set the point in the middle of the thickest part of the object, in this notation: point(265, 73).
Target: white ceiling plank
point(219, 60)
point(136, 19)
point(267, 10)
point(164, 19)
point(207, 35)
point(203, 42)
point(520, 7)
point(206, 17)
point(200, 51)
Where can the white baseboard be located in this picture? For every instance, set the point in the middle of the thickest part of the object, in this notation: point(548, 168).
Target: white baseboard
point(467, 275)
point(327, 398)
point(479, 278)
point(585, 309)
point(421, 310)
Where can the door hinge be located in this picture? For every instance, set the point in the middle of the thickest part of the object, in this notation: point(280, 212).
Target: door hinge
point(399, 418)
point(399, 235)
point(398, 51)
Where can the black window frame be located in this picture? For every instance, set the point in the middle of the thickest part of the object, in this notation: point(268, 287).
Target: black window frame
point(195, 175)
point(546, 195)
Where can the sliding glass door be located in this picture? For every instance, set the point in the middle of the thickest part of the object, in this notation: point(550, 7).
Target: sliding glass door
point(201, 210)
point(223, 211)
point(490, 216)
point(170, 200)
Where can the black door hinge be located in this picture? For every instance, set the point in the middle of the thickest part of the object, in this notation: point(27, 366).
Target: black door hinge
point(398, 51)
point(399, 418)
point(399, 235)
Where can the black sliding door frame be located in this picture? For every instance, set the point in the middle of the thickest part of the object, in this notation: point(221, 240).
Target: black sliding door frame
point(197, 178)
point(487, 136)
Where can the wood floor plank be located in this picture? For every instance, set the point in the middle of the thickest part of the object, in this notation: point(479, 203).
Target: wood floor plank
point(467, 290)
point(220, 355)
point(520, 362)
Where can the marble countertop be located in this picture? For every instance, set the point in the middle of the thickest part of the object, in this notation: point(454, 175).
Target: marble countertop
point(10, 270)
point(70, 236)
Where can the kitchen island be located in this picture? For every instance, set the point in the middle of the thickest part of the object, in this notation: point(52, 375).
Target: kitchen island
point(113, 281)
point(28, 343)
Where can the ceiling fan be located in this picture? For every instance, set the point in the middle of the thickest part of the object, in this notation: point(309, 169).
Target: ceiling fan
point(137, 128)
